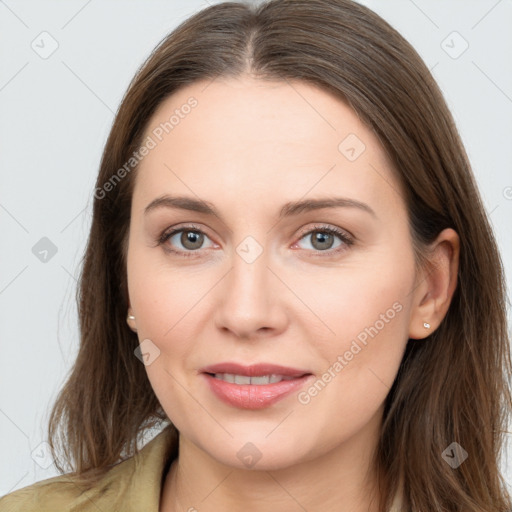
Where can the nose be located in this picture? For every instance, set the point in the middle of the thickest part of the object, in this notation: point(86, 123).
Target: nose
point(251, 296)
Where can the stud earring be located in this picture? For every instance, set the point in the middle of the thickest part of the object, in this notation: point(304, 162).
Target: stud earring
point(128, 318)
point(426, 325)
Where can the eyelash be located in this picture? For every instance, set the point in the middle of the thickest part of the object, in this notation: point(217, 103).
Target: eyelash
point(345, 238)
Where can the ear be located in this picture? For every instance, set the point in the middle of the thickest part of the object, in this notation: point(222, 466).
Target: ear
point(434, 287)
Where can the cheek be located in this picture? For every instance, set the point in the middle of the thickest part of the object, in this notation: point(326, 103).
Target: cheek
point(159, 294)
point(167, 302)
point(354, 295)
point(363, 313)
point(163, 304)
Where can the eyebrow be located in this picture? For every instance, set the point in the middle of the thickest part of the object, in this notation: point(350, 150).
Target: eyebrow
point(288, 209)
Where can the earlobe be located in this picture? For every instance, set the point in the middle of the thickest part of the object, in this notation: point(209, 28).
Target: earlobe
point(437, 283)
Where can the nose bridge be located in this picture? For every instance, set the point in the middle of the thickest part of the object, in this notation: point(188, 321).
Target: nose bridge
point(250, 299)
point(249, 276)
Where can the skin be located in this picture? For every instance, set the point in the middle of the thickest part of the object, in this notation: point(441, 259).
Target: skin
point(249, 147)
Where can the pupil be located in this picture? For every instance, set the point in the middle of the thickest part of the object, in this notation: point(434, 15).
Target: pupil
point(191, 237)
point(323, 238)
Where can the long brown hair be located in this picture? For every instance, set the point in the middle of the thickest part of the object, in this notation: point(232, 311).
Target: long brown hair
point(451, 387)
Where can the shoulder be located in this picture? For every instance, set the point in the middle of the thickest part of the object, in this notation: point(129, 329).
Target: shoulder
point(57, 494)
point(68, 493)
point(134, 483)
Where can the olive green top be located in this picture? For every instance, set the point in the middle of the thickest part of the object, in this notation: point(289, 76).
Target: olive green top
point(132, 485)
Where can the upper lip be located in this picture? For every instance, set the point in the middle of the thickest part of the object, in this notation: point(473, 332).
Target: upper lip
point(254, 370)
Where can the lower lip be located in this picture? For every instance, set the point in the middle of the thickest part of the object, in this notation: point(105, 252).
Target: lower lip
point(251, 396)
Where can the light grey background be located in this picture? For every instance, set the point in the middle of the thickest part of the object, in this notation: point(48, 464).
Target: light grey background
point(55, 114)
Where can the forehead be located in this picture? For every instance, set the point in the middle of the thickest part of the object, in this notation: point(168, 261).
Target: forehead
point(250, 135)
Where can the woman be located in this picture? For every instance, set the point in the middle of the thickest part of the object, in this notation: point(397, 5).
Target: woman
point(290, 269)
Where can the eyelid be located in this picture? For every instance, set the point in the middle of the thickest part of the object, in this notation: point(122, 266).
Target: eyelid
point(327, 227)
point(168, 232)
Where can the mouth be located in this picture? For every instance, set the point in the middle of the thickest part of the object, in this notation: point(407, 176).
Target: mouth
point(253, 387)
point(245, 379)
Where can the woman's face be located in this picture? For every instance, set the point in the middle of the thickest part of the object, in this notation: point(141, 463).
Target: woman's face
point(263, 280)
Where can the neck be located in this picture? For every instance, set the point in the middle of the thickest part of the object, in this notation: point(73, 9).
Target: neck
point(343, 479)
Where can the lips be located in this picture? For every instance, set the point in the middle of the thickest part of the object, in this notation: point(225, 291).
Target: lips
point(245, 394)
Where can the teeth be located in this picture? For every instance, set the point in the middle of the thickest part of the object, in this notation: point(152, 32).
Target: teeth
point(244, 379)
point(264, 379)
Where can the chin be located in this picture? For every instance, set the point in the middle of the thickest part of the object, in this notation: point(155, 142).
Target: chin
point(258, 454)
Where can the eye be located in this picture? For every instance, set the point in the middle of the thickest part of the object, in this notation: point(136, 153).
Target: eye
point(191, 239)
point(323, 237)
